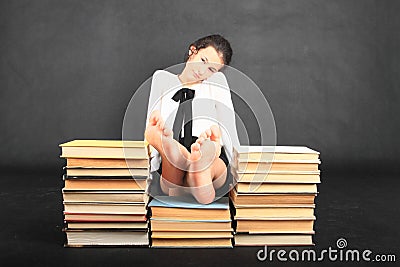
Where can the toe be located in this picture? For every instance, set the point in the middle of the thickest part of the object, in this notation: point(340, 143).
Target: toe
point(167, 132)
point(215, 133)
point(153, 120)
point(154, 117)
point(195, 152)
point(203, 135)
point(195, 147)
point(200, 140)
point(160, 124)
point(208, 132)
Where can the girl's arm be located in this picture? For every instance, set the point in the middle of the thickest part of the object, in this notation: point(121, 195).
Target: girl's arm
point(225, 113)
point(156, 92)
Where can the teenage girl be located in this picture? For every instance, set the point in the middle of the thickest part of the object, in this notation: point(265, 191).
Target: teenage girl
point(198, 163)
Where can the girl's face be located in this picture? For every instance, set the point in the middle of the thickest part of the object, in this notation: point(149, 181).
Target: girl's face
point(202, 63)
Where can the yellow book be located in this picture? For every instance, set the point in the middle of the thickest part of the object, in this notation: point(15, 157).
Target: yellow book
point(273, 240)
point(273, 153)
point(191, 234)
point(275, 188)
point(104, 143)
point(105, 149)
point(192, 242)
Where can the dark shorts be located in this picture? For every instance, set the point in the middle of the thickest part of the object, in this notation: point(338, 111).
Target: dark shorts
point(156, 190)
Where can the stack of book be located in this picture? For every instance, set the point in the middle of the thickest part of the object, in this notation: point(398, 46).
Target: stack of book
point(104, 193)
point(183, 222)
point(273, 199)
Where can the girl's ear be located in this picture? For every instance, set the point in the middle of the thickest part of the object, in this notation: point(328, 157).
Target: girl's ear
point(192, 50)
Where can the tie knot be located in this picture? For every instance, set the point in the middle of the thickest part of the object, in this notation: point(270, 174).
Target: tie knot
point(183, 94)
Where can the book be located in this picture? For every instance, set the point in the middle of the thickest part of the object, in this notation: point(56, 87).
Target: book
point(187, 202)
point(192, 234)
point(105, 149)
point(104, 208)
point(108, 172)
point(275, 158)
point(261, 153)
point(266, 166)
point(275, 225)
point(108, 225)
point(192, 242)
point(104, 196)
point(272, 211)
point(273, 239)
point(189, 213)
point(78, 217)
point(275, 188)
point(106, 238)
point(105, 184)
point(106, 163)
point(174, 225)
point(187, 208)
point(274, 177)
point(262, 199)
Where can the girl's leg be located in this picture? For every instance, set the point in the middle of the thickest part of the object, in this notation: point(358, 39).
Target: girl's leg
point(207, 171)
point(174, 156)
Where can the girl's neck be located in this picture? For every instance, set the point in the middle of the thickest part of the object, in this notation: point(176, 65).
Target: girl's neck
point(185, 83)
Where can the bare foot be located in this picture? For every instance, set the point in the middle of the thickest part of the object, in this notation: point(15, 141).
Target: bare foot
point(199, 176)
point(161, 138)
point(213, 134)
point(203, 154)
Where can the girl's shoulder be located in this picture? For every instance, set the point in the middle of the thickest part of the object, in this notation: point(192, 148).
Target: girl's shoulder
point(163, 74)
point(217, 76)
point(219, 80)
point(164, 81)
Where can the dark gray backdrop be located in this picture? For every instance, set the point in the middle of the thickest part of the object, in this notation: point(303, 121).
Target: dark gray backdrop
point(329, 69)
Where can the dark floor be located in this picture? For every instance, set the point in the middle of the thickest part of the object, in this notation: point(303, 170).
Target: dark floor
point(363, 209)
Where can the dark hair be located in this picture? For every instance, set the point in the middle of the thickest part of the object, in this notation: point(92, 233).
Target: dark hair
point(220, 44)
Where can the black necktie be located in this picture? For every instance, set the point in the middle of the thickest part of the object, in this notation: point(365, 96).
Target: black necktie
point(183, 115)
